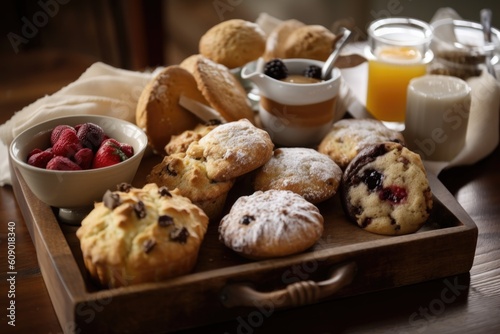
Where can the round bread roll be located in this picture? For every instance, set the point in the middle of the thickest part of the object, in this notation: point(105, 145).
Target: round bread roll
point(304, 171)
point(141, 235)
point(271, 224)
point(385, 190)
point(233, 43)
point(158, 110)
point(311, 42)
point(275, 43)
point(232, 149)
point(349, 136)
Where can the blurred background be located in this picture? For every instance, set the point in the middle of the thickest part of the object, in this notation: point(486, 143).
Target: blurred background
point(46, 44)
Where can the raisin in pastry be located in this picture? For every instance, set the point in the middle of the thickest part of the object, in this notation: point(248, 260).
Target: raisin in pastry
point(141, 235)
point(190, 177)
point(270, 224)
point(385, 190)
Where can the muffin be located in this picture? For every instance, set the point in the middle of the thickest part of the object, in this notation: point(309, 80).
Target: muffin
point(189, 177)
point(385, 190)
point(349, 136)
point(271, 224)
point(233, 43)
point(304, 171)
point(141, 235)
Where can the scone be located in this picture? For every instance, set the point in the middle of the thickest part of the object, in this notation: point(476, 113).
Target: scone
point(385, 190)
point(304, 171)
point(233, 43)
point(180, 143)
point(189, 176)
point(232, 150)
point(141, 235)
point(349, 136)
point(311, 42)
point(158, 110)
point(221, 89)
point(271, 224)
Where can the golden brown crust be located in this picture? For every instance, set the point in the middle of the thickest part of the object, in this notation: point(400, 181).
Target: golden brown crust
point(233, 149)
point(277, 38)
point(158, 110)
point(141, 235)
point(311, 42)
point(189, 176)
point(233, 43)
point(180, 143)
point(303, 171)
point(222, 90)
point(349, 136)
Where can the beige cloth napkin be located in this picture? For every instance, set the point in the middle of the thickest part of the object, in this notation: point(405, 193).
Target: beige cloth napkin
point(101, 90)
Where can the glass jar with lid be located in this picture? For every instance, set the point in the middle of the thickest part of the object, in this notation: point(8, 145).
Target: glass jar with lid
point(460, 49)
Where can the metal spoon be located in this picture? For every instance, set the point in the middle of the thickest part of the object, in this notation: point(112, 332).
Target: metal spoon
point(486, 23)
point(330, 62)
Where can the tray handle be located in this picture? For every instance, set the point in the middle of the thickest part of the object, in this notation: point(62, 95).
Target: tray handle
point(293, 295)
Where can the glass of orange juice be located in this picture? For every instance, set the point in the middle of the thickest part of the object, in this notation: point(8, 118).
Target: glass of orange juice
point(398, 50)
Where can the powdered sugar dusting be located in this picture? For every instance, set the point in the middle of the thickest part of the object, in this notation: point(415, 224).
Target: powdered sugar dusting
point(277, 219)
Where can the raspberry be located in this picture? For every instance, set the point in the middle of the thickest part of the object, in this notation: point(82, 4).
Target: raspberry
point(393, 194)
point(40, 159)
point(313, 71)
point(67, 143)
point(62, 163)
point(84, 157)
point(56, 132)
point(276, 69)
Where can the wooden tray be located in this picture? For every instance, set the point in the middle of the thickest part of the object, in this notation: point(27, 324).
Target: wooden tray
point(345, 262)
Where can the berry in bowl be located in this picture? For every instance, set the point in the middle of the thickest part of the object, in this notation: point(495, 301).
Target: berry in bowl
point(70, 162)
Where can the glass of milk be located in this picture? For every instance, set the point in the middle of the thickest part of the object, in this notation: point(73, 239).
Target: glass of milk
point(437, 114)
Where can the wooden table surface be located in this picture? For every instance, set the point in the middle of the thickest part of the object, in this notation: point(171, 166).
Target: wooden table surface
point(467, 303)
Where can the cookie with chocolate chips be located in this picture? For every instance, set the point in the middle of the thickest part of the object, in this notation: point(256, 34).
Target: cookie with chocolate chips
point(385, 190)
point(137, 235)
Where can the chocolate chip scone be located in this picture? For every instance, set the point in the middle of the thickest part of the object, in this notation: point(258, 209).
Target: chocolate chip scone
point(270, 224)
point(385, 190)
point(232, 149)
point(190, 177)
point(304, 171)
point(349, 136)
point(141, 235)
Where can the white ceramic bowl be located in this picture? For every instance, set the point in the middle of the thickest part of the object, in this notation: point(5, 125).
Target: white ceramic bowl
point(76, 191)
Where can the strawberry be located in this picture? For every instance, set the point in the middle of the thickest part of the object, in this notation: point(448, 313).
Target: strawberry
point(62, 163)
point(91, 135)
point(40, 159)
point(56, 132)
point(84, 157)
point(127, 149)
point(109, 153)
point(67, 143)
